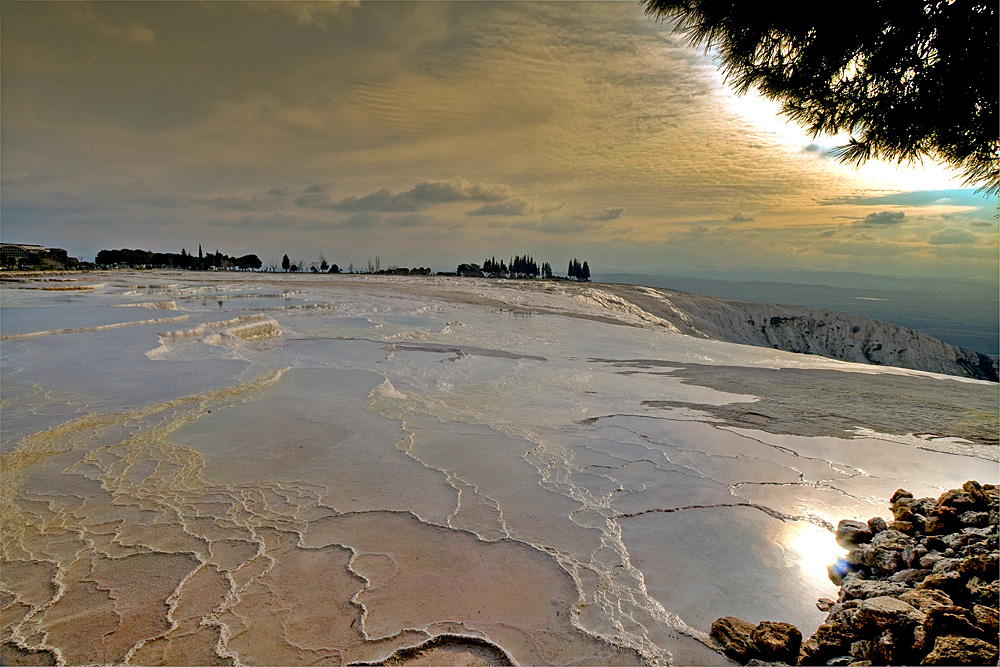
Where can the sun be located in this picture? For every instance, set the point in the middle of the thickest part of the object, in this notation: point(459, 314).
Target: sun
point(813, 549)
point(766, 116)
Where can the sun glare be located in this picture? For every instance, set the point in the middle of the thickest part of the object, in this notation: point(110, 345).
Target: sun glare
point(766, 115)
point(813, 549)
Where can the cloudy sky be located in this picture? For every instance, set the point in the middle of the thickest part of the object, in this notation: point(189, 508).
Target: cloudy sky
point(432, 133)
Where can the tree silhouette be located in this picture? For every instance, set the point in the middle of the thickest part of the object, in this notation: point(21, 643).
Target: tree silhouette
point(906, 80)
point(285, 263)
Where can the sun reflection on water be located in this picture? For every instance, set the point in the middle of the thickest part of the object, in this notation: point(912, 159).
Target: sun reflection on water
point(813, 549)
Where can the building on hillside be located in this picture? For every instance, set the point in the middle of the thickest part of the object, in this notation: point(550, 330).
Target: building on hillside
point(30, 256)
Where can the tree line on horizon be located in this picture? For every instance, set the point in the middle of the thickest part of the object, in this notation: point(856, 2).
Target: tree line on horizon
point(519, 266)
point(579, 271)
point(522, 267)
point(145, 259)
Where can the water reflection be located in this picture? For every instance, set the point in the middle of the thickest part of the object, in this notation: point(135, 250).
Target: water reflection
point(813, 549)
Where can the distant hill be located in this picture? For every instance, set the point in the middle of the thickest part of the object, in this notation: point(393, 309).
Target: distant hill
point(827, 333)
point(958, 312)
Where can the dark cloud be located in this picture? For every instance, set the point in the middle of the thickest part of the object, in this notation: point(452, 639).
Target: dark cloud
point(164, 201)
point(882, 219)
point(741, 217)
point(412, 220)
point(952, 236)
point(457, 189)
point(613, 213)
point(362, 220)
point(370, 220)
point(510, 207)
point(419, 196)
point(236, 203)
point(555, 227)
point(314, 200)
point(515, 206)
point(383, 201)
point(986, 224)
point(255, 203)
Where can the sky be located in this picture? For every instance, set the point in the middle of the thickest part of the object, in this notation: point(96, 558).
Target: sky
point(434, 133)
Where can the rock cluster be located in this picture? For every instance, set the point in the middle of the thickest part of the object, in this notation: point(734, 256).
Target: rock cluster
point(921, 590)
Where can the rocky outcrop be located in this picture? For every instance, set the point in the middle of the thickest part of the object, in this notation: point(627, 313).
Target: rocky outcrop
point(827, 333)
point(921, 590)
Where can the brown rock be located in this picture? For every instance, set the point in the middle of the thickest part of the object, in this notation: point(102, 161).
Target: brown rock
point(776, 641)
point(918, 641)
point(934, 543)
point(854, 587)
point(839, 611)
point(957, 499)
point(929, 560)
point(809, 648)
point(986, 619)
point(884, 650)
point(940, 521)
point(859, 554)
point(981, 593)
point(913, 553)
point(984, 566)
point(949, 582)
point(951, 620)
point(899, 493)
point(851, 533)
point(911, 576)
point(892, 539)
point(884, 560)
point(903, 526)
point(952, 650)
point(733, 635)
point(992, 493)
point(947, 565)
point(975, 490)
point(832, 638)
point(974, 519)
point(877, 524)
point(862, 650)
point(882, 613)
point(982, 547)
point(925, 600)
point(809, 652)
point(923, 505)
point(902, 511)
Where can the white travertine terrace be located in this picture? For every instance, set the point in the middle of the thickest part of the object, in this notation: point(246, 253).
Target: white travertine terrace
point(526, 472)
